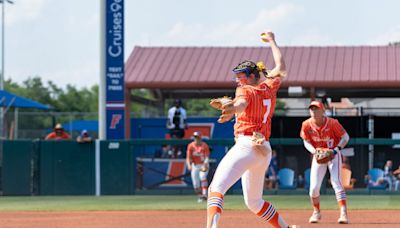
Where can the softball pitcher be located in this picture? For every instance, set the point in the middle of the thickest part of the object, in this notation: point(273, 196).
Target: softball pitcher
point(249, 158)
point(320, 131)
point(197, 157)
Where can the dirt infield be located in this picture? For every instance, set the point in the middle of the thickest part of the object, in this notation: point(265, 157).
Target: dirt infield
point(187, 219)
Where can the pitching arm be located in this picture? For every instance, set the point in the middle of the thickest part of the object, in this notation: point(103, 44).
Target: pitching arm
point(280, 66)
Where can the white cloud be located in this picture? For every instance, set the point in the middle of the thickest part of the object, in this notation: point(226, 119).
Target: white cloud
point(23, 10)
point(393, 35)
point(233, 33)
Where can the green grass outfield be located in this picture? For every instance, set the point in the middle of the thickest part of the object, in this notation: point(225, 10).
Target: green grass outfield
point(184, 202)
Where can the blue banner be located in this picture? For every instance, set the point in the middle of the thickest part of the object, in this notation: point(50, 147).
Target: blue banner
point(115, 103)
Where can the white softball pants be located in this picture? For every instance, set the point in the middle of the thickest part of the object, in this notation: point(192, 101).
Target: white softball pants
point(242, 161)
point(197, 175)
point(318, 172)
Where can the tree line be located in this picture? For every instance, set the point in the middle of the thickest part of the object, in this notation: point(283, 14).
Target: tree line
point(73, 99)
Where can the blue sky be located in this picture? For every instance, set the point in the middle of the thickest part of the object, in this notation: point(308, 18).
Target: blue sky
point(59, 40)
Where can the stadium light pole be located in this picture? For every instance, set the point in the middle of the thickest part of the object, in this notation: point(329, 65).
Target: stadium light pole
point(3, 3)
point(3, 6)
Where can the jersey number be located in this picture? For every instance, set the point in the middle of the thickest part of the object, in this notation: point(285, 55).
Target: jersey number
point(329, 143)
point(267, 103)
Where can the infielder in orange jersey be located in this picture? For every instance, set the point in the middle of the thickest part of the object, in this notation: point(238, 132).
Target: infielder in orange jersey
point(320, 131)
point(253, 106)
point(197, 162)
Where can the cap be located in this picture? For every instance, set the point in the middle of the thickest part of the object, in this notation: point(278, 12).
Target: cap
point(317, 104)
point(196, 134)
point(246, 66)
point(58, 126)
point(178, 102)
point(84, 132)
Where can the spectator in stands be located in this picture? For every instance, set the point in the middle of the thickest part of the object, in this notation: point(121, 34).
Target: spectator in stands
point(388, 173)
point(272, 172)
point(164, 152)
point(84, 137)
point(58, 133)
point(176, 122)
point(396, 175)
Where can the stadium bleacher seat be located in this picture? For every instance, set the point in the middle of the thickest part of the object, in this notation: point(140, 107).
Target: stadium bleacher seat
point(376, 178)
point(307, 174)
point(286, 179)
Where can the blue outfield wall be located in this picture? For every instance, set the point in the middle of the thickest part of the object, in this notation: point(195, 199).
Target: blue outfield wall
point(155, 128)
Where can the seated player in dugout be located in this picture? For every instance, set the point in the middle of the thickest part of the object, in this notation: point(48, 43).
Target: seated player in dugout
point(197, 162)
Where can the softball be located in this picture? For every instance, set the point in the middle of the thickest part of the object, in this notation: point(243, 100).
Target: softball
point(263, 37)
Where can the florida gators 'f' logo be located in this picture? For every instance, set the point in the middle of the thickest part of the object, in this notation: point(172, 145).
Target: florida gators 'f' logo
point(115, 120)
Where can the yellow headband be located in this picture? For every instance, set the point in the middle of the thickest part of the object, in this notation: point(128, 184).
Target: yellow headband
point(260, 66)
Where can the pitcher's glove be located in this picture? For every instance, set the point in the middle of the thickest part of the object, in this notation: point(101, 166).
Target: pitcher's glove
point(217, 103)
point(257, 142)
point(324, 155)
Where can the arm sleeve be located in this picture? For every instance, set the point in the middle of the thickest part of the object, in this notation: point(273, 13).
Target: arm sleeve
point(344, 140)
point(309, 146)
point(340, 131)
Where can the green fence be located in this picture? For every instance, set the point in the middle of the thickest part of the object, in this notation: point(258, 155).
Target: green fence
point(118, 168)
point(16, 167)
point(68, 168)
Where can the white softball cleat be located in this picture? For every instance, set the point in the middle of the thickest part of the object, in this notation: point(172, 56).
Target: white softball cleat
point(343, 219)
point(315, 217)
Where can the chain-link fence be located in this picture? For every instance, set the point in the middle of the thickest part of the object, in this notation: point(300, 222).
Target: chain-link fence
point(31, 125)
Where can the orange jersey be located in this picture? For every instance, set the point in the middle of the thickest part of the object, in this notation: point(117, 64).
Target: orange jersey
point(54, 136)
point(261, 100)
point(326, 136)
point(197, 153)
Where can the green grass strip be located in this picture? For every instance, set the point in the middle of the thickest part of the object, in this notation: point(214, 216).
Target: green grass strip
point(184, 202)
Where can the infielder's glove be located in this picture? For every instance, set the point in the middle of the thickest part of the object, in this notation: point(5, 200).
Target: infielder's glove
point(204, 168)
point(324, 155)
point(257, 142)
point(218, 104)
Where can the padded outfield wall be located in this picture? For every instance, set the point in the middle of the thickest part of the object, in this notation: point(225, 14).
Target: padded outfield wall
point(68, 168)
